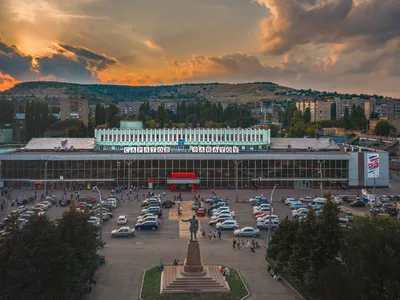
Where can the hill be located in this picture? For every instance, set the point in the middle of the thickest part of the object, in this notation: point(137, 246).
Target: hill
point(223, 92)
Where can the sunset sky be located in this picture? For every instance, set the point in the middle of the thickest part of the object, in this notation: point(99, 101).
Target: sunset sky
point(334, 45)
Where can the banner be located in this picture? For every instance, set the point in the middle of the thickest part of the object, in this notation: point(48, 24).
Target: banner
point(373, 165)
point(194, 149)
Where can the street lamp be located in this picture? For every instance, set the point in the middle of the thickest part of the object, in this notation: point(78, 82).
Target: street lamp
point(237, 163)
point(270, 215)
point(129, 163)
point(46, 162)
point(320, 172)
point(101, 214)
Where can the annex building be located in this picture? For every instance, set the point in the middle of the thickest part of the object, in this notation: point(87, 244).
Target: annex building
point(184, 158)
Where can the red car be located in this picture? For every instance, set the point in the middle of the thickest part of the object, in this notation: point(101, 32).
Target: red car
point(87, 200)
point(201, 212)
point(262, 215)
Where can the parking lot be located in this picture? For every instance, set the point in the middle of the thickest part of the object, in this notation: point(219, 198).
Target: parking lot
point(127, 258)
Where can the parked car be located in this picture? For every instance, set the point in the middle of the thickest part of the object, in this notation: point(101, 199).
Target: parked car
point(290, 200)
point(85, 205)
point(299, 211)
point(4, 235)
point(247, 232)
point(213, 200)
point(297, 205)
point(152, 203)
point(22, 208)
point(357, 203)
point(262, 210)
point(384, 199)
point(147, 225)
point(105, 216)
point(89, 200)
point(256, 198)
point(258, 202)
point(123, 232)
point(47, 203)
point(196, 205)
point(219, 204)
point(272, 217)
point(41, 206)
point(201, 212)
point(261, 206)
point(219, 220)
point(141, 217)
point(168, 203)
point(265, 225)
point(220, 209)
point(337, 200)
point(306, 199)
point(228, 224)
point(222, 215)
point(4, 222)
point(122, 220)
point(153, 219)
point(232, 213)
point(378, 212)
point(317, 201)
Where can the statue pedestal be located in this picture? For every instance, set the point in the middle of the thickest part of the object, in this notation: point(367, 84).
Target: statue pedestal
point(193, 277)
point(193, 259)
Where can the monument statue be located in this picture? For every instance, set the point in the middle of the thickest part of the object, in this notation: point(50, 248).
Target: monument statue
point(194, 227)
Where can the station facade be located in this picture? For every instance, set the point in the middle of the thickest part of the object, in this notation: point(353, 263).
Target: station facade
point(214, 158)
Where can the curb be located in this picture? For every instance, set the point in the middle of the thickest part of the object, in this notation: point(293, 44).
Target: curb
point(288, 284)
point(245, 285)
point(141, 285)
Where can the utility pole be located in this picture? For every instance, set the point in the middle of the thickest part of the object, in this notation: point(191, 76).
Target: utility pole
point(101, 214)
point(320, 172)
point(46, 162)
point(129, 163)
point(270, 214)
point(118, 166)
point(237, 163)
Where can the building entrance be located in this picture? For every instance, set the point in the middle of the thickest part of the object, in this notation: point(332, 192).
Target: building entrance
point(302, 184)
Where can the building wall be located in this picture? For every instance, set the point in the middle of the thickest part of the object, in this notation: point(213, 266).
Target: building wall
point(358, 170)
point(320, 110)
point(129, 108)
point(341, 105)
point(69, 107)
point(6, 134)
point(333, 131)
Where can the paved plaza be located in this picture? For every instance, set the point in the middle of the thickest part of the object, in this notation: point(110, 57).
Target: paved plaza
point(127, 258)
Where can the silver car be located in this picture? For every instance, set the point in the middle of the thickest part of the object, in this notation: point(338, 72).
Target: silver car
point(228, 224)
point(247, 231)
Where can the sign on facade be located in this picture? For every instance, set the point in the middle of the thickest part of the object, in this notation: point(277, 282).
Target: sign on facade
point(373, 165)
point(195, 149)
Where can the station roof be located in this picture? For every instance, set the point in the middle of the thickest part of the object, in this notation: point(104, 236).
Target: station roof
point(36, 144)
point(304, 144)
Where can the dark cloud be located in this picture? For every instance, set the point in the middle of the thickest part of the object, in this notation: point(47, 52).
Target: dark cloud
point(82, 66)
point(14, 63)
point(364, 23)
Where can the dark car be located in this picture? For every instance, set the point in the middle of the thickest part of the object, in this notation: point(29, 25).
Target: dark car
point(65, 202)
point(168, 203)
point(4, 222)
point(357, 203)
point(147, 225)
point(258, 202)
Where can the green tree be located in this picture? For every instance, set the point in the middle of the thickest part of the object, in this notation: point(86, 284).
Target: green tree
point(75, 128)
point(275, 130)
point(307, 115)
point(36, 118)
point(333, 111)
point(100, 114)
point(7, 112)
point(384, 128)
point(113, 119)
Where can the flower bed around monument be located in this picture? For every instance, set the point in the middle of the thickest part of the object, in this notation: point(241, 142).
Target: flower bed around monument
point(152, 280)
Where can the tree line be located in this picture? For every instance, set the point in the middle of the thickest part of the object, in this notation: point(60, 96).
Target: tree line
point(327, 261)
point(48, 260)
point(197, 114)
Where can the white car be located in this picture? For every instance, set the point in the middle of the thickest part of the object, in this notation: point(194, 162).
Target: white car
point(266, 224)
point(261, 206)
point(306, 199)
point(22, 208)
point(299, 211)
point(262, 210)
point(105, 216)
point(224, 212)
point(273, 217)
point(220, 209)
point(223, 215)
point(228, 224)
point(145, 216)
point(289, 200)
point(47, 203)
point(256, 198)
point(122, 220)
point(337, 200)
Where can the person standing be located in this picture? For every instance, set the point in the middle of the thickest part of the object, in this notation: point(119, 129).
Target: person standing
point(209, 235)
point(219, 234)
point(247, 246)
point(234, 243)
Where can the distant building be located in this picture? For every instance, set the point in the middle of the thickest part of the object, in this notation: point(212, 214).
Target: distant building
point(129, 108)
point(19, 128)
point(74, 109)
point(320, 110)
point(341, 105)
point(6, 133)
point(334, 131)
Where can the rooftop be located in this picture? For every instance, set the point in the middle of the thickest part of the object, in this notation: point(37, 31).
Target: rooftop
point(304, 144)
point(51, 143)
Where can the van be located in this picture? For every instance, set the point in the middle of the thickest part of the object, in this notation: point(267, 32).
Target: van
point(317, 201)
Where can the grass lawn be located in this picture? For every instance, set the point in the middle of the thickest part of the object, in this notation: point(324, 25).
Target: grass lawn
point(152, 281)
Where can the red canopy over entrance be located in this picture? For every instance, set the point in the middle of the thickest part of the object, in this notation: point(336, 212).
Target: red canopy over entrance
point(188, 179)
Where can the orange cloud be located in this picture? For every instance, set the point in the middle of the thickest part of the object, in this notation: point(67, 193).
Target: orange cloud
point(153, 45)
point(7, 82)
point(130, 78)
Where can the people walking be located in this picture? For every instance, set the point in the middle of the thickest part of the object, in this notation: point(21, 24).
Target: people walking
point(234, 243)
point(219, 234)
point(209, 235)
point(247, 246)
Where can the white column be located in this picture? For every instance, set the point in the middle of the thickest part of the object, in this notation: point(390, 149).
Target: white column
point(242, 135)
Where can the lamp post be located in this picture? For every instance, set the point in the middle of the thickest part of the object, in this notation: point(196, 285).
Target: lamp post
point(237, 163)
point(269, 219)
point(320, 172)
point(46, 162)
point(101, 214)
point(129, 163)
